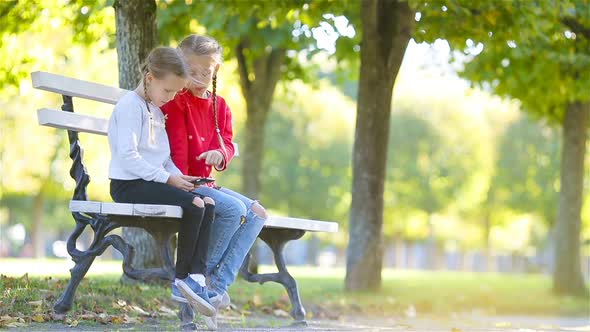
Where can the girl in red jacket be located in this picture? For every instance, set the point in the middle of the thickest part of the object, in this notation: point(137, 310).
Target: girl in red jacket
point(199, 128)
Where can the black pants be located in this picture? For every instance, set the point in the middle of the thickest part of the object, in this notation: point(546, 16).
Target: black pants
point(195, 225)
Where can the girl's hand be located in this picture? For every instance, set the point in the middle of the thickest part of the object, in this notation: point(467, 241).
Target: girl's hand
point(180, 182)
point(190, 179)
point(212, 157)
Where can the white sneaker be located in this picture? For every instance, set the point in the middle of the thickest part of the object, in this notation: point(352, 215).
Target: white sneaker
point(221, 301)
point(211, 322)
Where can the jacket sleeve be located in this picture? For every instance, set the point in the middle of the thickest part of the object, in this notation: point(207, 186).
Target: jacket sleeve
point(227, 135)
point(177, 134)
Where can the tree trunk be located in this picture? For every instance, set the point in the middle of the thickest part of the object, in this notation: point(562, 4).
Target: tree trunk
point(258, 93)
point(386, 31)
point(136, 36)
point(567, 274)
point(254, 147)
point(37, 225)
point(487, 227)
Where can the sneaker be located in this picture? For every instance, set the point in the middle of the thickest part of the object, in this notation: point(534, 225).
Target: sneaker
point(177, 295)
point(196, 295)
point(220, 301)
point(211, 322)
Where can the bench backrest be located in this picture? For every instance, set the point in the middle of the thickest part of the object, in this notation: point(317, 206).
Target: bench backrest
point(74, 88)
point(68, 86)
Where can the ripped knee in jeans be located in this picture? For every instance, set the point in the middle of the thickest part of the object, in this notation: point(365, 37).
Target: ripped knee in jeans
point(198, 202)
point(209, 200)
point(259, 210)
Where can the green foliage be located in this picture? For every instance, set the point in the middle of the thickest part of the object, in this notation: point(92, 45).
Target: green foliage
point(307, 161)
point(254, 25)
point(526, 178)
point(537, 52)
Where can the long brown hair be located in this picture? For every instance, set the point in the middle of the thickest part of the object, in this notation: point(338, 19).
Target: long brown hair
point(206, 46)
point(160, 62)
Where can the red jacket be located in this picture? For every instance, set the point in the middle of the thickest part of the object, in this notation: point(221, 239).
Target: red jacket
point(190, 126)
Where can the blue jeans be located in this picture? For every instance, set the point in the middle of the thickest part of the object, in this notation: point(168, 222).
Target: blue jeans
point(233, 233)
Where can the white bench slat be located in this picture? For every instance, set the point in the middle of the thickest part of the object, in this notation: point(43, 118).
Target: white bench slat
point(170, 211)
point(85, 206)
point(303, 224)
point(72, 121)
point(76, 88)
point(125, 209)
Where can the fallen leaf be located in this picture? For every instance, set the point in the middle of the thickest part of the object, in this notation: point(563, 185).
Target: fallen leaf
point(38, 318)
point(74, 323)
point(167, 311)
point(36, 303)
point(117, 320)
point(280, 313)
point(256, 300)
point(140, 311)
point(103, 318)
point(56, 316)
point(87, 316)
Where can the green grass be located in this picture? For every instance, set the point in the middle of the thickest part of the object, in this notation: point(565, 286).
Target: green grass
point(432, 293)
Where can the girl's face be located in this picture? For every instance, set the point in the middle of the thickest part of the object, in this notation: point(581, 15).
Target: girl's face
point(202, 70)
point(161, 91)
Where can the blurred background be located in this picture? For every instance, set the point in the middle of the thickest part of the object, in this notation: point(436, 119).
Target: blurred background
point(472, 174)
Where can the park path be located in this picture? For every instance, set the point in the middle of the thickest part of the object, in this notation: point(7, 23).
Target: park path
point(461, 323)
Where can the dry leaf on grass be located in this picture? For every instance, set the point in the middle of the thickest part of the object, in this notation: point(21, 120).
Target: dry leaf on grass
point(167, 311)
point(256, 300)
point(280, 313)
point(9, 321)
point(139, 310)
point(38, 318)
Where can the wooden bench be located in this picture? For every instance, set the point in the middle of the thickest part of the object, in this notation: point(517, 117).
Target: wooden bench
point(161, 221)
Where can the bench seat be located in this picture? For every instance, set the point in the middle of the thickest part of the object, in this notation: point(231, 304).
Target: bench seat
point(171, 211)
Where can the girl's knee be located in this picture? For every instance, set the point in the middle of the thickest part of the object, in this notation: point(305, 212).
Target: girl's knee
point(198, 202)
point(209, 200)
point(234, 207)
point(259, 210)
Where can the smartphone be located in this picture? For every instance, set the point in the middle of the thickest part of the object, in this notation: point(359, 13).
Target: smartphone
point(201, 181)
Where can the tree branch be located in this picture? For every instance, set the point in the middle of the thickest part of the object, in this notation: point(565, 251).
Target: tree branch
point(243, 69)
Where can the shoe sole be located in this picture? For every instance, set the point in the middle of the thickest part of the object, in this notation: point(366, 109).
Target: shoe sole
point(211, 322)
point(223, 303)
point(196, 302)
point(178, 299)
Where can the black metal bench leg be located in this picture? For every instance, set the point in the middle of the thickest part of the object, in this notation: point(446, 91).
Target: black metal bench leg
point(276, 239)
point(66, 300)
point(84, 259)
point(186, 316)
